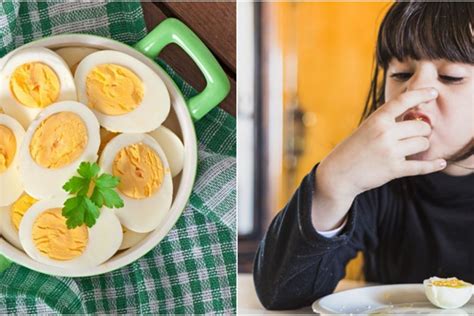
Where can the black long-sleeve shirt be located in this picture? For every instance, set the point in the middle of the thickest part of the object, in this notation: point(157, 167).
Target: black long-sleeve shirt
point(408, 229)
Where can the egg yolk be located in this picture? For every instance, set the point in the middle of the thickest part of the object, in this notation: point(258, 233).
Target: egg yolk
point(59, 140)
point(140, 170)
point(54, 240)
point(35, 85)
point(113, 89)
point(19, 208)
point(451, 282)
point(7, 147)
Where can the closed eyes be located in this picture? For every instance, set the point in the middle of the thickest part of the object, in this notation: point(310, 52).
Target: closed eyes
point(404, 76)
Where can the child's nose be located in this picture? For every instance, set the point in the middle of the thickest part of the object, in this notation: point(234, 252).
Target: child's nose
point(424, 77)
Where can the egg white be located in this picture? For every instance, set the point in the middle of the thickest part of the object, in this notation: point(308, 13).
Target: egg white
point(172, 146)
point(43, 183)
point(73, 55)
point(447, 297)
point(12, 107)
point(105, 238)
point(131, 238)
point(149, 114)
point(11, 186)
point(142, 215)
point(7, 228)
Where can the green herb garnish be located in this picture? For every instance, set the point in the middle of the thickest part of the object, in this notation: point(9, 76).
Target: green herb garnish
point(84, 207)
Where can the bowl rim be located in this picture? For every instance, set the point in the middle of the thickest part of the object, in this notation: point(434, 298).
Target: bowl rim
point(188, 174)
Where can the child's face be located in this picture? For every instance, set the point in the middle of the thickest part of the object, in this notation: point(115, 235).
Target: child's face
point(451, 114)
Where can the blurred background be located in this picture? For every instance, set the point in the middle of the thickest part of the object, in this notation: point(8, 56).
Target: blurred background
point(304, 74)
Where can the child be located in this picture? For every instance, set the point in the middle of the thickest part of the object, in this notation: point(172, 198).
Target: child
point(401, 187)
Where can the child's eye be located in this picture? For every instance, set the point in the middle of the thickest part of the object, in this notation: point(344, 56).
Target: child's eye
point(401, 76)
point(450, 79)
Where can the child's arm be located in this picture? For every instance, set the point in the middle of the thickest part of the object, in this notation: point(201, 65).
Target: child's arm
point(372, 156)
point(295, 265)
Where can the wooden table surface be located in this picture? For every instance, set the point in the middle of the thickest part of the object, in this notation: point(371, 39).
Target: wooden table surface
point(215, 24)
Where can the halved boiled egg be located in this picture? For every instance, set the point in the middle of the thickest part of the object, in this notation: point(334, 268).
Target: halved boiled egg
point(125, 94)
point(447, 293)
point(172, 146)
point(11, 138)
point(74, 55)
point(33, 79)
point(11, 217)
point(131, 238)
point(145, 184)
point(46, 238)
point(58, 140)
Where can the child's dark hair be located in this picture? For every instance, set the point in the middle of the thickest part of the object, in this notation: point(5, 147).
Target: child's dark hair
point(421, 30)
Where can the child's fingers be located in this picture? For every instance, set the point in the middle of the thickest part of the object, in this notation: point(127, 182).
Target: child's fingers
point(409, 99)
point(413, 145)
point(411, 128)
point(418, 167)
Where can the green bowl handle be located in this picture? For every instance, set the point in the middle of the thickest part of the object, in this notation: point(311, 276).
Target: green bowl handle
point(174, 31)
point(4, 263)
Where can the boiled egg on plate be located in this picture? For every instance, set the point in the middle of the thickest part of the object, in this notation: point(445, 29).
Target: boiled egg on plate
point(447, 293)
point(11, 138)
point(131, 238)
point(172, 146)
point(145, 184)
point(73, 55)
point(125, 94)
point(57, 141)
point(46, 238)
point(33, 79)
point(11, 216)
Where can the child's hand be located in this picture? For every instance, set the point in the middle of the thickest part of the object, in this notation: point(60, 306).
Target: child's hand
point(376, 152)
point(372, 156)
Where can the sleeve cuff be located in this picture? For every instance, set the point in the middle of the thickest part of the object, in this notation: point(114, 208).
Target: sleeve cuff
point(312, 236)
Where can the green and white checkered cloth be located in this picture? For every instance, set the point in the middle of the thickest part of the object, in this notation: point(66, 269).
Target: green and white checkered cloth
point(193, 270)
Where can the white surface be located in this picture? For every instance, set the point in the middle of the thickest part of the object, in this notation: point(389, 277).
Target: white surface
point(186, 129)
point(248, 302)
point(333, 232)
point(384, 299)
point(246, 136)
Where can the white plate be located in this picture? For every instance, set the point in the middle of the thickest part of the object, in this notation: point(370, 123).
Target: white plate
point(384, 299)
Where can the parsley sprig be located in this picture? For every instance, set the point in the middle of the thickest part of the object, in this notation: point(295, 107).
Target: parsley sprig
point(82, 208)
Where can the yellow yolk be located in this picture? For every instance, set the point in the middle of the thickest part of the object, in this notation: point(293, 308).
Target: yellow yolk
point(59, 140)
point(54, 240)
point(113, 89)
point(451, 282)
point(105, 137)
point(35, 85)
point(7, 147)
point(19, 208)
point(140, 170)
